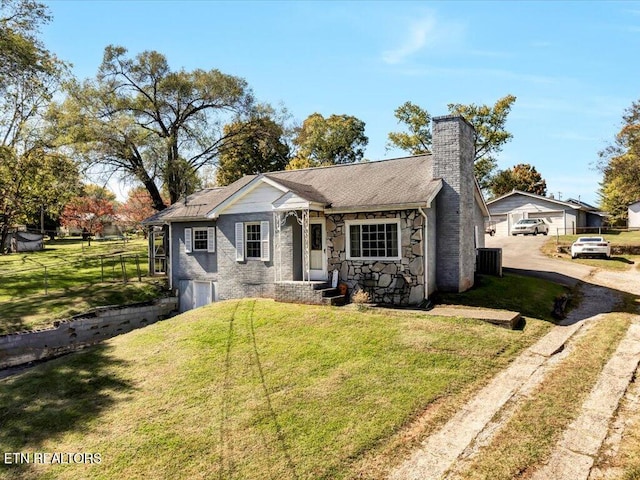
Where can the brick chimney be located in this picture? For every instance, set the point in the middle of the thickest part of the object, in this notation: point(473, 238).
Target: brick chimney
point(456, 211)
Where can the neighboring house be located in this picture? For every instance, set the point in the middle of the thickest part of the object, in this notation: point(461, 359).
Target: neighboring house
point(400, 229)
point(633, 221)
point(563, 217)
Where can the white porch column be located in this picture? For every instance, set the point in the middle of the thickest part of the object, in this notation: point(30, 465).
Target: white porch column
point(306, 273)
point(277, 245)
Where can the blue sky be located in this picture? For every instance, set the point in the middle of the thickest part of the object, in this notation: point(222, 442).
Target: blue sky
point(573, 66)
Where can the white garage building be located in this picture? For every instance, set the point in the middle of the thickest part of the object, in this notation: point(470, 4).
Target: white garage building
point(562, 217)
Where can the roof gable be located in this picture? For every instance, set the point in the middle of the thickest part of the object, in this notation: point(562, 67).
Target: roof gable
point(196, 205)
point(257, 195)
point(533, 196)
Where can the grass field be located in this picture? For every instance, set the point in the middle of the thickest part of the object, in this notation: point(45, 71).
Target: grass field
point(532, 297)
point(69, 277)
point(251, 389)
point(616, 237)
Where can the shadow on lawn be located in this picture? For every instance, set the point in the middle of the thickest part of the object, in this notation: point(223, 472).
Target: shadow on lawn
point(59, 396)
point(16, 311)
point(68, 302)
point(622, 260)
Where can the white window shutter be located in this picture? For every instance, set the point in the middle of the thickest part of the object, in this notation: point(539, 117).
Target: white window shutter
point(264, 241)
point(211, 239)
point(239, 242)
point(188, 246)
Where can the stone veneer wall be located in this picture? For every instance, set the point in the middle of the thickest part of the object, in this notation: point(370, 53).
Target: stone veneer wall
point(398, 282)
point(81, 331)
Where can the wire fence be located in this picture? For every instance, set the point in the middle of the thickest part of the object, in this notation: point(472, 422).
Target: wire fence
point(588, 231)
point(60, 273)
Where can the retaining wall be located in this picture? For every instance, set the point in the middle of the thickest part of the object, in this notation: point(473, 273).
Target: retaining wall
point(81, 330)
point(299, 292)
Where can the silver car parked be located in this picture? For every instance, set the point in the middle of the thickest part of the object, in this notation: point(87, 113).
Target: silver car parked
point(531, 226)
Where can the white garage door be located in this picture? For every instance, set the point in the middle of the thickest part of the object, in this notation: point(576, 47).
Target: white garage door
point(554, 220)
point(500, 222)
point(505, 222)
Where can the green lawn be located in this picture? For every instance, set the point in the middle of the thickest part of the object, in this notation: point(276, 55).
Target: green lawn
point(616, 237)
point(68, 263)
point(76, 278)
point(251, 389)
point(532, 297)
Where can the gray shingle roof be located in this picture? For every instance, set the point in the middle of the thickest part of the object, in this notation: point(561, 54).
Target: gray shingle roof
point(383, 183)
point(199, 203)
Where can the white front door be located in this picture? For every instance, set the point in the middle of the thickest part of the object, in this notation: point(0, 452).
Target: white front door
point(317, 249)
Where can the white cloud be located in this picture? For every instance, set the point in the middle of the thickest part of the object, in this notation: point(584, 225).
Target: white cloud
point(421, 34)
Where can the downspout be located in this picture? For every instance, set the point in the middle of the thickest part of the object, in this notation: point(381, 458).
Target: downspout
point(170, 255)
point(425, 239)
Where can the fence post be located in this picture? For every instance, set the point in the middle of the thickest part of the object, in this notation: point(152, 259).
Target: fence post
point(102, 268)
point(138, 268)
point(124, 270)
point(46, 282)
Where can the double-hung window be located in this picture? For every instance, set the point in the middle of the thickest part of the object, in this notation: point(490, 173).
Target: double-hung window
point(200, 239)
point(374, 239)
point(252, 241)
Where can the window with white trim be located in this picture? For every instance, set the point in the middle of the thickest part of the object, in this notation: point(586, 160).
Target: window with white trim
point(200, 239)
point(252, 240)
point(373, 239)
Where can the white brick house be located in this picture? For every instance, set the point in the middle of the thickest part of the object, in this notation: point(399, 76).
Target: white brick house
point(400, 229)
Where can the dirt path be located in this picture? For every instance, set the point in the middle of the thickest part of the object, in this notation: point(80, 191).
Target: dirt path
point(446, 453)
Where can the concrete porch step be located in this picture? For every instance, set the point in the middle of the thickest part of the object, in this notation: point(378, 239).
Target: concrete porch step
point(335, 300)
point(327, 291)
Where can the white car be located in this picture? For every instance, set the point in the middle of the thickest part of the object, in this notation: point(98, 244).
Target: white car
point(528, 226)
point(591, 246)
